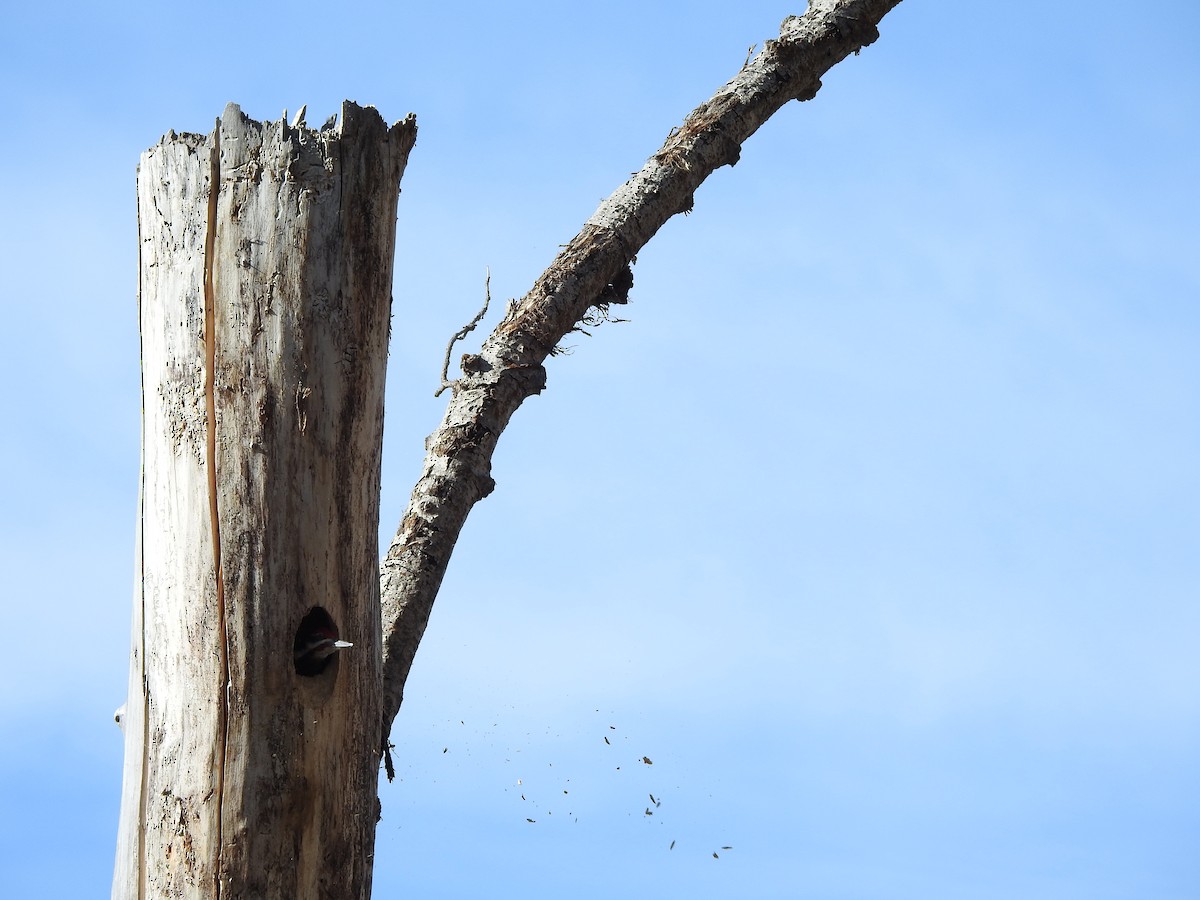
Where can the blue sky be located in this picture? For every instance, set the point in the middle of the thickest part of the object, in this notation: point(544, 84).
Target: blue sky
point(877, 529)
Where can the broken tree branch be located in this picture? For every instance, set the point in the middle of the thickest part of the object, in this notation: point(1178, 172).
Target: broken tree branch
point(462, 333)
point(595, 264)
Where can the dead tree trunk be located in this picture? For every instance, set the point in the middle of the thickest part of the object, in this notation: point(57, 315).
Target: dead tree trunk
point(265, 299)
point(265, 278)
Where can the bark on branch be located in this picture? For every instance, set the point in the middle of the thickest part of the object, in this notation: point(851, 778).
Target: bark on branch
point(592, 270)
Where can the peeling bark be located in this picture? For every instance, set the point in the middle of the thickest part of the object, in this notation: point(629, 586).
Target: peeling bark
point(592, 270)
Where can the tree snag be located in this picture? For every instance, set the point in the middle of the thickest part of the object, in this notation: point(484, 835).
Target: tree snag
point(252, 741)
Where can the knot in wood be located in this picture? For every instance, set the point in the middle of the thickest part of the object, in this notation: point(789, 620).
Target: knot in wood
point(474, 364)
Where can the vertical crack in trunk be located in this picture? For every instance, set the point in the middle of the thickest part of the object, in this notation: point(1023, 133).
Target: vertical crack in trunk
point(210, 407)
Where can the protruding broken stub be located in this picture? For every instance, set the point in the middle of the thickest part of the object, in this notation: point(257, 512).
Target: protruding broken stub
point(316, 643)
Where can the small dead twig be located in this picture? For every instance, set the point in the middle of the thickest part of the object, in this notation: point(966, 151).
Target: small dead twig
point(462, 333)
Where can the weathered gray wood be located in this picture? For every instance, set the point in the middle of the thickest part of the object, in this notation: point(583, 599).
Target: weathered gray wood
point(592, 271)
point(265, 296)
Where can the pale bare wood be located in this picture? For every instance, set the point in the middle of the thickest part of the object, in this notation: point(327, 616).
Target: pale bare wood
point(265, 312)
point(171, 735)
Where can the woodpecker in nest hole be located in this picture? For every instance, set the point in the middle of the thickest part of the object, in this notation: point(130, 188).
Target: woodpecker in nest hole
point(313, 651)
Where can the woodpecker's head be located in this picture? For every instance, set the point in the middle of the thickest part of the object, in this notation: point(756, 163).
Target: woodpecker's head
point(313, 652)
